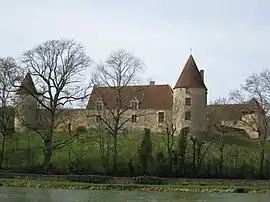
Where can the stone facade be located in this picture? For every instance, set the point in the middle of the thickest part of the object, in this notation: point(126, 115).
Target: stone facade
point(189, 109)
point(147, 106)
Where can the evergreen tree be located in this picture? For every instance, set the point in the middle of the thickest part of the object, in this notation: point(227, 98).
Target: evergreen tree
point(145, 151)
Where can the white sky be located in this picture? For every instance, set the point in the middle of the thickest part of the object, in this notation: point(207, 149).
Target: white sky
point(230, 39)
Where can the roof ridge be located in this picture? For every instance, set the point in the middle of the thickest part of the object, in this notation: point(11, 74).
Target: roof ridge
point(133, 85)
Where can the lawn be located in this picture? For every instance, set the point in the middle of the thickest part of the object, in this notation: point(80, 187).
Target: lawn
point(28, 146)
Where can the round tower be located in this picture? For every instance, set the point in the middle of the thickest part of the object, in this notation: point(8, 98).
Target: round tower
point(190, 99)
point(26, 105)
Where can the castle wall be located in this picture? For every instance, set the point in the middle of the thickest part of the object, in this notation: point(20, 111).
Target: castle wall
point(251, 124)
point(146, 118)
point(198, 96)
point(74, 117)
point(25, 112)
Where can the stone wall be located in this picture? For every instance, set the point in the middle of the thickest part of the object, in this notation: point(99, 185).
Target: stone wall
point(249, 123)
point(147, 118)
point(74, 117)
point(198, 109)
point(25, 112)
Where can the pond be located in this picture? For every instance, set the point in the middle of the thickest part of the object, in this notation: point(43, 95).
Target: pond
point(59, 195)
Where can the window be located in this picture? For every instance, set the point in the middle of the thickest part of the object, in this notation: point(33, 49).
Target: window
point(188, 101)
point(99, 105)
point(134, 104)
point(134, 118)
point(188, 115)
point(160, 117)
point(98, 118)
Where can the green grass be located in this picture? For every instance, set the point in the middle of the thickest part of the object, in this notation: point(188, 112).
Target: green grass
point(87, 148)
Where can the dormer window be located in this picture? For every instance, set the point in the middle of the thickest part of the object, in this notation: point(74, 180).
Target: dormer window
point(99, 105)
point(134, 118)
point(134, 104)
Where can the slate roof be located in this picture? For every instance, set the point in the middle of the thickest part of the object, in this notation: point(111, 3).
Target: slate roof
point(190, 76)
point(27, 85)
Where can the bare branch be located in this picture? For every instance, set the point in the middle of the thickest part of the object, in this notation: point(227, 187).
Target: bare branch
point(9, 74)
point(58, 68)
point(120, 70)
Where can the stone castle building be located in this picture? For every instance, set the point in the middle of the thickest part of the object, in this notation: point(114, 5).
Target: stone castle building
point(149, 106)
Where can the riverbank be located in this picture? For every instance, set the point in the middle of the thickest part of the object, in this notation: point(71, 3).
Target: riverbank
point(132, 187)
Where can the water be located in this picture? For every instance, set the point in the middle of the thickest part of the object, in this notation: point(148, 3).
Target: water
point(58, 195)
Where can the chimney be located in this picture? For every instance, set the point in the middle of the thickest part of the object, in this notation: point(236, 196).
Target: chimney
point(202, 74)
point(152, 83)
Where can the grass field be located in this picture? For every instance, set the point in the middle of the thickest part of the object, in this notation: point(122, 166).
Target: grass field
point(29, 145)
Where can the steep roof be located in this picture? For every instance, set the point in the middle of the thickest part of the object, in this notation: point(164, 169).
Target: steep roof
point(190, 76)
point(158, 97)
point(228, 112)
point(27, 85)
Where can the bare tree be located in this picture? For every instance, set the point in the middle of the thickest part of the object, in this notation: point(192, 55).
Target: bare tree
point(101, 136)
point(58, 67)
point(256, 92)
point(169, 141)
point(216, 128)
point(9, 74)
point(120, 70)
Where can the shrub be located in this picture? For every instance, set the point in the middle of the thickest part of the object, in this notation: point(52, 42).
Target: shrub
point(81, 129)
point(99, 179)
point(147, 180)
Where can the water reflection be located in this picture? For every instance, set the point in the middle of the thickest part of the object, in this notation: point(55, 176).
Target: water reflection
point(58, 195)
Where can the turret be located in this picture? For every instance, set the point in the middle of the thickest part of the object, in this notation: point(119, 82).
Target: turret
point(26, 105)
point(190, 99)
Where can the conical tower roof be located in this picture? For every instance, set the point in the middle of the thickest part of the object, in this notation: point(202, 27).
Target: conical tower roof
point(27, 85)
point(190, 76)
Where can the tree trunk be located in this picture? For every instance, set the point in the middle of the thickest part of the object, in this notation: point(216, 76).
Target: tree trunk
point(194, 156)
point(28, 150)
point(2, 150)
point(47, 152)
point(115, 153)
point(69, 154)
point(221, 158)
point(170, 159)
point(262, 160)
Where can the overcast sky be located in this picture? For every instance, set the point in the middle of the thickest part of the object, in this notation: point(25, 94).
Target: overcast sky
point(230, 39)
